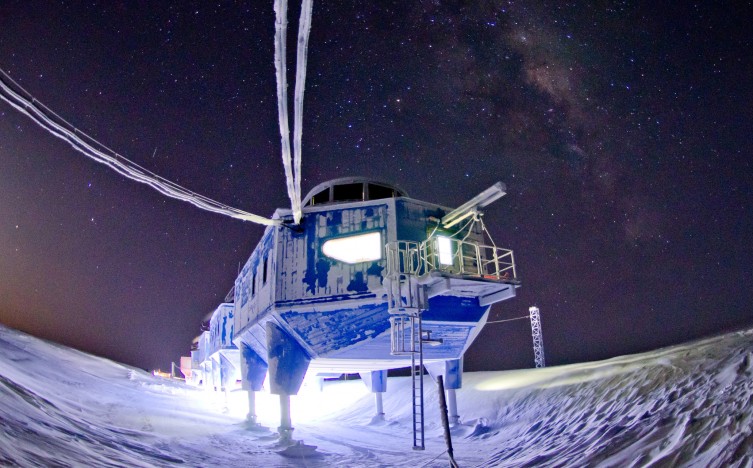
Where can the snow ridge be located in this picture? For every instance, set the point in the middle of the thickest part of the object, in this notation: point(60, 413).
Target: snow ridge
point(686, 405)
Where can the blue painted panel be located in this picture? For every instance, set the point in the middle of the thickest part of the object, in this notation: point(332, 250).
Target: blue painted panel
point(221, 329)
point(376, 381)
point(454, 337)
point(451, 371)
point(456, 309)
point(287, 361)
point(305, 273)
point(228, 372)
point(254, 337)
point(253, 369)
point(328, 332)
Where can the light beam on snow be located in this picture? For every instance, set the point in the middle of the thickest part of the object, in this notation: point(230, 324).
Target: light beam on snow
point(25, 103)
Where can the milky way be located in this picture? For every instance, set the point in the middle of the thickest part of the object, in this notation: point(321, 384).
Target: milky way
point(622, 132)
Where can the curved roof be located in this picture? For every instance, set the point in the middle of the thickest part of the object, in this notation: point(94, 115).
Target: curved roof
point(346, 189)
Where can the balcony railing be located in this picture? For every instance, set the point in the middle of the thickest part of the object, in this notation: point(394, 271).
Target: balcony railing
point(449, 255)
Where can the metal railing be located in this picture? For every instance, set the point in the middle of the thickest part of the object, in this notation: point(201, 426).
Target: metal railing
point(454, 256)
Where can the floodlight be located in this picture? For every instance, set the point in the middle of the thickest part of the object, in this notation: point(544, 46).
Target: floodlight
point(444, 245)
point(471, 207)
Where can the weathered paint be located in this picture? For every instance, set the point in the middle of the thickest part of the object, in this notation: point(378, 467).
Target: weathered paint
point(307, 273)
point(287, 361)
point(253, 369)
point(451, 372)
point(221, 329)
point(454, 309)
point(316, 307)
point(228, 372)
point(330, 331)
point(252, 295)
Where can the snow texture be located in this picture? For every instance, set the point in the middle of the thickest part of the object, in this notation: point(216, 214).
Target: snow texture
point(682, 406)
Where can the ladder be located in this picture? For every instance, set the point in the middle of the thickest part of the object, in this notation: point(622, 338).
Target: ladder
point(417, 379)
point(406, 301)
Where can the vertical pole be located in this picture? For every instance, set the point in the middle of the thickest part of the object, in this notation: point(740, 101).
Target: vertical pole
point(445, 421)
point(286, 426)
point(452, 404)
point(251, 416)
point(379, 405)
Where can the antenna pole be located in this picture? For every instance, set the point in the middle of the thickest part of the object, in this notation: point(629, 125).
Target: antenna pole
point(538, 339)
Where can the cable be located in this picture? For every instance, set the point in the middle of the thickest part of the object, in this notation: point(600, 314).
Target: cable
point(281, 34)
point(509, 320)
point(43, 116)
point(304, 29)
point(292, 165)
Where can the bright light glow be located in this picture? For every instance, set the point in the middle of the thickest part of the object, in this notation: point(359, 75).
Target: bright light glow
point(317, 399)
point(444, 245)
point(355, 249)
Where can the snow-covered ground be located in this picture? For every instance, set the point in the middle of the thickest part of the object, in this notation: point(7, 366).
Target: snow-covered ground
point(684, 405)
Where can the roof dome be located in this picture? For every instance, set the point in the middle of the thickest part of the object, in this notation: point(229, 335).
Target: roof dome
point(349, 189)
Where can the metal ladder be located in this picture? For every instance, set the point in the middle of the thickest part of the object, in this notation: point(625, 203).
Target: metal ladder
point(417, 379)
point(406, 301)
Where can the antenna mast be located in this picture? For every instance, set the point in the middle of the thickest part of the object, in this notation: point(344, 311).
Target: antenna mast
point(538, 339)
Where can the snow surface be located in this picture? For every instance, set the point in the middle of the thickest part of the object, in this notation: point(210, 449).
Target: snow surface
point(686, 405)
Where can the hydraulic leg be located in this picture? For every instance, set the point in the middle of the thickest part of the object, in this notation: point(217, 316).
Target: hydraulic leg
point(452, 374)
point(253, 373)
point(376, 381)
point(452, 406)
point(288, 363)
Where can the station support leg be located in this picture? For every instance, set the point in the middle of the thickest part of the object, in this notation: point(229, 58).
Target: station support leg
point(286, 425)
point(452, 407)
point(228, 374)
point(288, 363)
point(379, 404)
point(253, 373)
point(376, 382)
point(452, 374)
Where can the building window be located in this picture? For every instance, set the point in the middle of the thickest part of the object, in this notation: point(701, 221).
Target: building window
point(348, 192)
point(264, 271)
point(321, 197)
point(253, 285)
point(355, 249)
point(377, 192)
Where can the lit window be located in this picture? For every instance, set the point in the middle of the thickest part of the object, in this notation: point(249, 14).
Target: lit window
point(355, 249)
point(444, 245)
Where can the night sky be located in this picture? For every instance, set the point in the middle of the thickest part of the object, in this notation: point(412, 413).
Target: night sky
point(623, 131)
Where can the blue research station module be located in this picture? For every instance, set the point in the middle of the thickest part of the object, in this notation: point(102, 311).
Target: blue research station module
point(368, 279)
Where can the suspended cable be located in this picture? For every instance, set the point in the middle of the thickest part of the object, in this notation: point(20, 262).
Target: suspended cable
point(304, 29)
point(281, 33)
point(292, 165)
point(510, 319)
point(24, 102)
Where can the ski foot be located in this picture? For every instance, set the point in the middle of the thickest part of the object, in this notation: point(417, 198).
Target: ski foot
point(298, 450)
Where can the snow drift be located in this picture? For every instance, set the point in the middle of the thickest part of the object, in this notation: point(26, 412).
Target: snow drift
point(685, 405)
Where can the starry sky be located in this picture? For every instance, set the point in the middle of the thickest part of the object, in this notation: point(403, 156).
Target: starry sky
point(623, 131)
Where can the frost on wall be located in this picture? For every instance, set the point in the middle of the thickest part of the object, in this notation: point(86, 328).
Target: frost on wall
point(221, 329)
point(252, 287)
point(307, 275)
